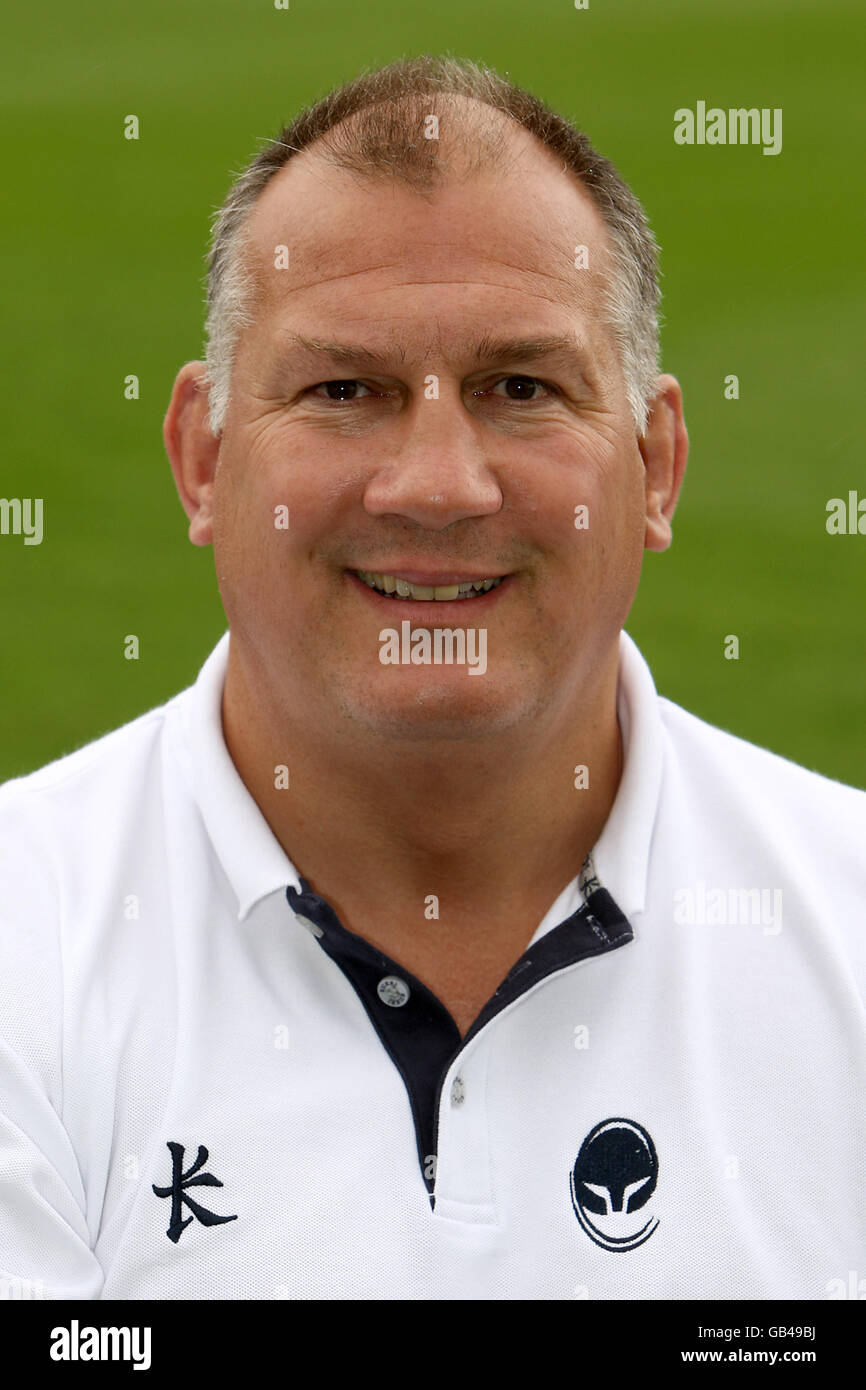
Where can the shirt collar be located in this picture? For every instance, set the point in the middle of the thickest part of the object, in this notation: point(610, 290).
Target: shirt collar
point(251, 856)
point(256, 864)
point(619, 859)
point(621, 853)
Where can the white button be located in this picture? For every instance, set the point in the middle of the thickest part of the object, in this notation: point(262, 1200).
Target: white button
point(393, 991)
point(458, 1091)
point(310, 926)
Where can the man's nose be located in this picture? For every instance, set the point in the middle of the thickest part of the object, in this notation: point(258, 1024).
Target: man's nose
point(439, 471)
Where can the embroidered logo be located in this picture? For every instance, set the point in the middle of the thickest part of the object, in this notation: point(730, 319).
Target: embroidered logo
point(180, 1181)
point(613, 1179)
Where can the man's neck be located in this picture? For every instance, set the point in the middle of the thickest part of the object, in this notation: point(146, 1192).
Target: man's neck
point(489, 831)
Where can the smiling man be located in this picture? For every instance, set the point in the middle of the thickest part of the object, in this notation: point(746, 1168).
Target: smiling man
point(395, 500)
point(440, 986)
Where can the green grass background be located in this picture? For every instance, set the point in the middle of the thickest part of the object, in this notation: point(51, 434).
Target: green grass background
point(103, 247)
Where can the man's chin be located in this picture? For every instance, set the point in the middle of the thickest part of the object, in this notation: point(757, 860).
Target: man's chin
point(459, 708)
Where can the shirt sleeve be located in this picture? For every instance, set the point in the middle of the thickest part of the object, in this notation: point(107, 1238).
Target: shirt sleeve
point(45, 1243)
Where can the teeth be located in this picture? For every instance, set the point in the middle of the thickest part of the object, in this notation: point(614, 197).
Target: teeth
point(440, 593)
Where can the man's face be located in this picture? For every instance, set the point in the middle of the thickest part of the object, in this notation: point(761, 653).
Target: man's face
point(382, 475)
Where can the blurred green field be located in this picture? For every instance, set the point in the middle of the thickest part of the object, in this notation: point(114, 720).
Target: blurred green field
point(103, 247)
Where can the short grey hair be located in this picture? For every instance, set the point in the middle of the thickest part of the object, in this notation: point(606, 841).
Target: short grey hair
point(365, 123)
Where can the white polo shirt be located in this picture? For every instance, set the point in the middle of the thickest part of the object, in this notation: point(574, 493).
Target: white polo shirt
point(209, 1088)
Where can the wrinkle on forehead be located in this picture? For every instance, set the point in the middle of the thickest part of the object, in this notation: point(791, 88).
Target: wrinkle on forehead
point(566, 297)
point(323, 220)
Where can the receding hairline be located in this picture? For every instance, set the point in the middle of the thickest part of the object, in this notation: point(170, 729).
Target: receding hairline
point(487, 139)
point(375, 125)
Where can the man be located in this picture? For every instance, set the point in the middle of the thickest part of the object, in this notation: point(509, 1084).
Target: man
point(359, 971)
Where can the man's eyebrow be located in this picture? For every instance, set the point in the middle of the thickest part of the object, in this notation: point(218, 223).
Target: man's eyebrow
point(494, 351)
point(349, 353)
point(487, 352)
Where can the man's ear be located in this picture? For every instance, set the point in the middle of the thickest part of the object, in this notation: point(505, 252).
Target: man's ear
point(192, 449)
point(664, 448)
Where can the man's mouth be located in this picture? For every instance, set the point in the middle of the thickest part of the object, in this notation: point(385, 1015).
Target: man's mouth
point(389, 586)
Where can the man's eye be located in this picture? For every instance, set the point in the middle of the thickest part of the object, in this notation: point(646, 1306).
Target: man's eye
point(518, 388)
point(340, 390)
point(521, 388)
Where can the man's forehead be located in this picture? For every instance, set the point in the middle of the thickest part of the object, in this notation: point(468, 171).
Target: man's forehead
point(522, 221)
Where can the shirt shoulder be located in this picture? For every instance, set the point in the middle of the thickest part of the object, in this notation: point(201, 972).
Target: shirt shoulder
point(799, 830)
point(62, 810)
point(91, 761)
point(703, 740)
point(61, 828)
point(796, 810)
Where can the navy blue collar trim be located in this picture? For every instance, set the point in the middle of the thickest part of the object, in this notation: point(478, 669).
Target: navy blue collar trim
point(420, 1036)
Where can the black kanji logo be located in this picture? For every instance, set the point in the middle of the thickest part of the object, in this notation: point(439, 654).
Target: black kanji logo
point(180, 1181)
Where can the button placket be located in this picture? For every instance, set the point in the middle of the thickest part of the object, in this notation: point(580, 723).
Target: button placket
point(464, 1184)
